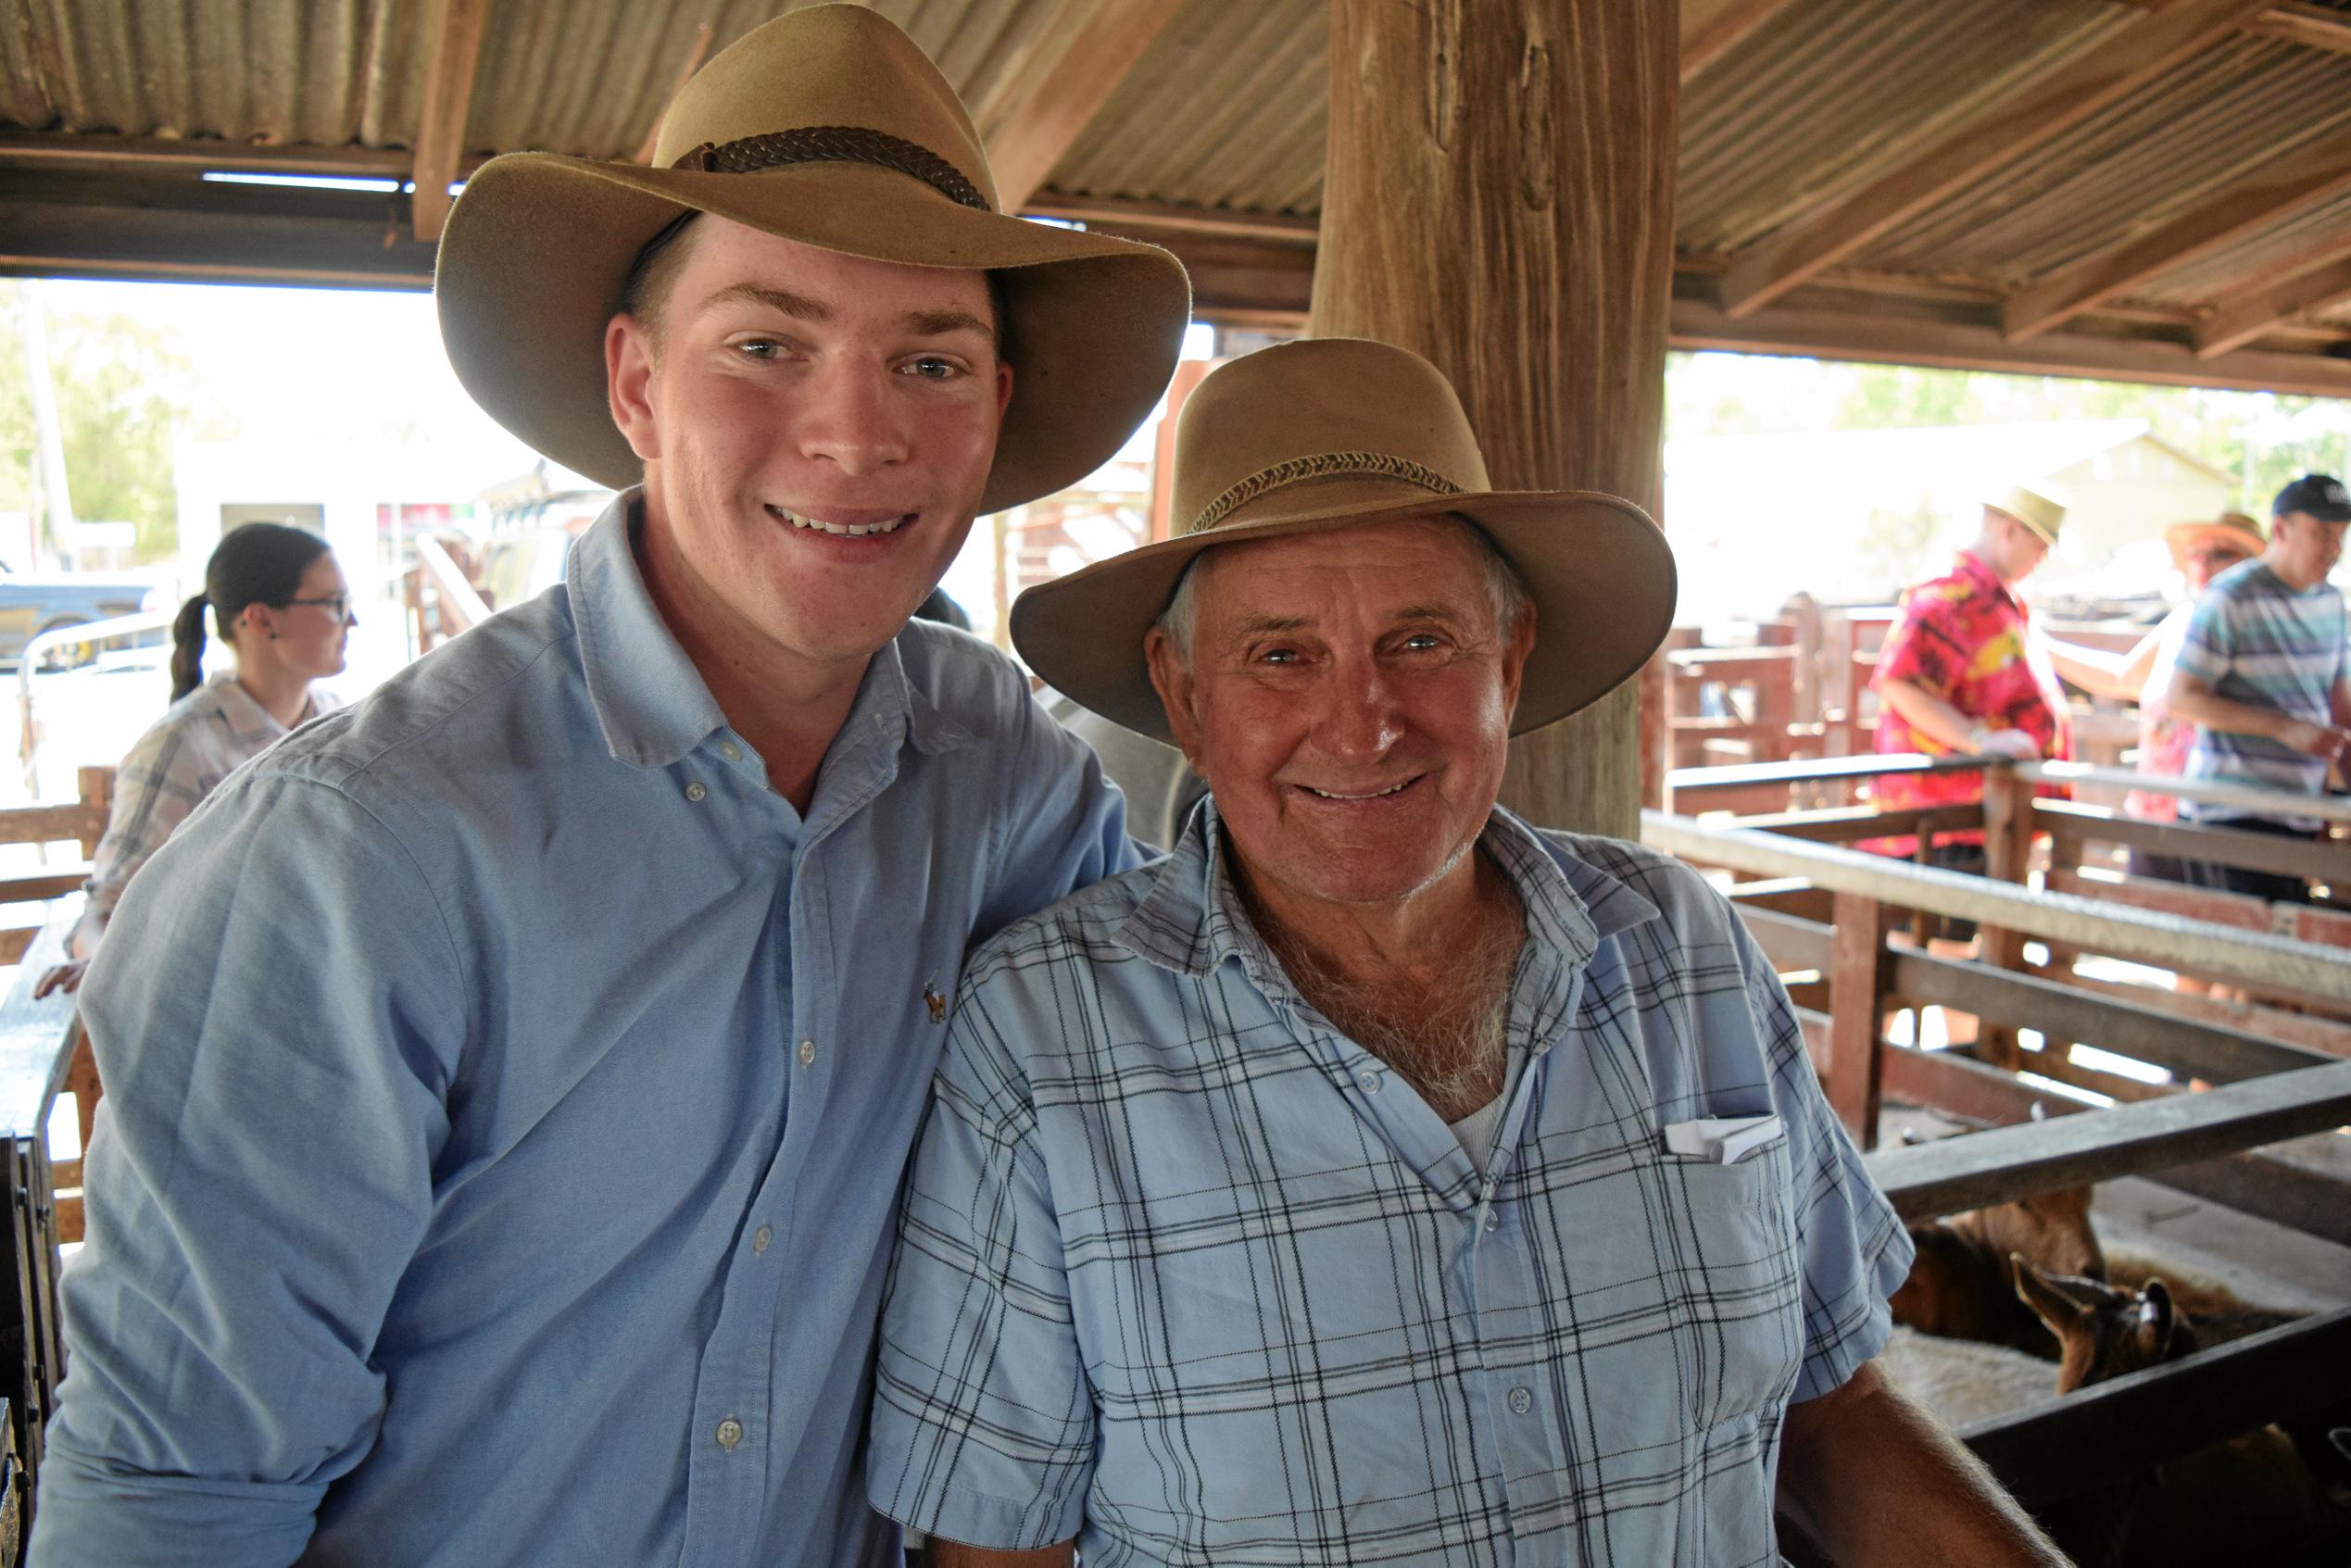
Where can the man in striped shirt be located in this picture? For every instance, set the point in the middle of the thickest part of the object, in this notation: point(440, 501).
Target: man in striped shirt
point(2261, 673)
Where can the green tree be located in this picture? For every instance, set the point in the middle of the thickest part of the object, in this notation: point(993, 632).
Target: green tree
point(126, 394)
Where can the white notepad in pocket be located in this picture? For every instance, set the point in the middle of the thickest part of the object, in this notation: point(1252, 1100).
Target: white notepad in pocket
point(1726, 1140)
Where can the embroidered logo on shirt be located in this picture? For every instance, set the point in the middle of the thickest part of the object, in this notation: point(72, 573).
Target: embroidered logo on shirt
point(937, 1003)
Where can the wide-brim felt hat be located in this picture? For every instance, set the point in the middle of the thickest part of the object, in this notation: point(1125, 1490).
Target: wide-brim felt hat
point(828, 125)
point(2232, 530)
point(1327, 434)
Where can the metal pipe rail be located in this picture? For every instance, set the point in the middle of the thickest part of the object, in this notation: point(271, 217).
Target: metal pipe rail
point(2197, 946)
point(29, 663)
point(2210, 792)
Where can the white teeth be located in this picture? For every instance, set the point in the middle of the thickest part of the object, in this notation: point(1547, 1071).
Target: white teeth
point(842, 529)
point(1328, 796)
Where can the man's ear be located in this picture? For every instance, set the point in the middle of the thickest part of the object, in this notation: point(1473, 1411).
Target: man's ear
point(1516, 649)
point(628, 382)
point(1003, 389)
point(1172, 680)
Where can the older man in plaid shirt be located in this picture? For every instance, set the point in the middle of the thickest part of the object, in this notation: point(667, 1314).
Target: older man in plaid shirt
point(1377, 1179)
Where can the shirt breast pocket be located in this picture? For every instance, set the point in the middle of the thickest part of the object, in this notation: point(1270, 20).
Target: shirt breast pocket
point(1735, 1278)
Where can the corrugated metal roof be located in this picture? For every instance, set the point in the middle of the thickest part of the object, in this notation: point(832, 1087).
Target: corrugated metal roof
point(560, 75)
point(1830, 92)
point(1227, 108)
point(2129, 169)
point(2278, 253)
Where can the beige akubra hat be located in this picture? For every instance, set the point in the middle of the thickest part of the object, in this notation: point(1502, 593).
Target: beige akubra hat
point(2036, 505)
point(830, 127)
point(1329, 433)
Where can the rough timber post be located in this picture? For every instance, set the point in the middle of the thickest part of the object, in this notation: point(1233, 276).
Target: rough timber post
point(1499, 195)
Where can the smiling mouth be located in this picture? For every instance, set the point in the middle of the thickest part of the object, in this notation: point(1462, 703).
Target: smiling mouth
point(1373, 794)
point(866, 523)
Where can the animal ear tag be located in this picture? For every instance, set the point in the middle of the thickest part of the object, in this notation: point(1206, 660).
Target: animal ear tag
point(934, 1001)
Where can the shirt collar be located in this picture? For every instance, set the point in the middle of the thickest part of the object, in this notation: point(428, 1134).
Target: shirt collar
point(1972, 567)
point(1191, 920)
point(652, 704)
point(243, 712)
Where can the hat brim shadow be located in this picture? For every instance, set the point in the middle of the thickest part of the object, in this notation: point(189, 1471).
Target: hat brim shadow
point(1599, 571)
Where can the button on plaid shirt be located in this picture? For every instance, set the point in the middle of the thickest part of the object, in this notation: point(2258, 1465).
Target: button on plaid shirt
point(1188, 1275)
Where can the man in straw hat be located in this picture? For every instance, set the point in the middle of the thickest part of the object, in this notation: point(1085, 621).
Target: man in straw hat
point(1963, 672)
point(1377, 1178)
point(510, 1080)
point(2200, 552)
point(2264, 674)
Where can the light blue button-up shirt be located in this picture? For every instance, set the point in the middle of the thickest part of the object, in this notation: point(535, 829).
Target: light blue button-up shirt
point(506, 1094)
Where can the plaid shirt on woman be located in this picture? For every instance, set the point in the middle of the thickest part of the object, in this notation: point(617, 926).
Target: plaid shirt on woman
point(200, 740)
point(1188, 1275)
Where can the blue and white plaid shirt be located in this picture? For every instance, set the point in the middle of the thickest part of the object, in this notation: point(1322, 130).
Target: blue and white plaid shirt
point(1186, 1274)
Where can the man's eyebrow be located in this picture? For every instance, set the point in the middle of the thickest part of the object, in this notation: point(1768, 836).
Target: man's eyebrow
point(938, 323)
point(1251, 625)
point(797, 305)
point(1429, 610)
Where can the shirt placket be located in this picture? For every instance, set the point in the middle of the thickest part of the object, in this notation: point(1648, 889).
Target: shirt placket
point(1521, 1404)
point(731, 1446)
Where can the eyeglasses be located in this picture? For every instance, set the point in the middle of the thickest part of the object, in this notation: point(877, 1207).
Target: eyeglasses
point(336, 605)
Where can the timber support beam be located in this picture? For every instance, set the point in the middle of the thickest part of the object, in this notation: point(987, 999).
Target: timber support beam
point(1524, 248)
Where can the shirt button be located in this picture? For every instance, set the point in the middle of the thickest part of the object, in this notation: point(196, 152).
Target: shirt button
point(808, 1052)
point(695, 790)
point(1493, 1220)
point(1367, 1080)
point(1521, 1402)
point(730, 1432)
point(760, 1238)
point(731, 751)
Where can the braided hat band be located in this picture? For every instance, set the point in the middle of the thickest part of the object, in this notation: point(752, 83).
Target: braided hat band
point(834, 143)
point(1322, 465)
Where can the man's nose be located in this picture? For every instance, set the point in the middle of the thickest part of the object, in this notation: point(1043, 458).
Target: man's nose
point(849, 420)
point(1360, 721)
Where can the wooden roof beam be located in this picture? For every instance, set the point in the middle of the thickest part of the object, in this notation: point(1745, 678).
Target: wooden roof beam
point(1040, 106)
point(2319, 171)
point(1711, 29)
point(454, 50)
point(2247, 316)
point(2044, 108)
point(2313, 26)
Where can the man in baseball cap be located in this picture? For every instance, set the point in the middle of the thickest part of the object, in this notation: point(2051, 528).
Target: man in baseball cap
point(509, 1081)
point(2261, 673)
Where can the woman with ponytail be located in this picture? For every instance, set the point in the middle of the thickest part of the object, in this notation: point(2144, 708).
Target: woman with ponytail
point(281, 607)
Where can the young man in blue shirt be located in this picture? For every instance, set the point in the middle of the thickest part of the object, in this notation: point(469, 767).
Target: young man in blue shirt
point(509, 1080)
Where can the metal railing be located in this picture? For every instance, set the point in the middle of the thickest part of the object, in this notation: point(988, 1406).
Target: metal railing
point(29, 664)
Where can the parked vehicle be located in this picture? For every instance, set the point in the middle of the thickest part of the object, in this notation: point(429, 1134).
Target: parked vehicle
point(32, 603)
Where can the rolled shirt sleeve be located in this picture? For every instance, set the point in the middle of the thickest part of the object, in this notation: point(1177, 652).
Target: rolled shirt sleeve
point(277, 1052)
point(983, 1427)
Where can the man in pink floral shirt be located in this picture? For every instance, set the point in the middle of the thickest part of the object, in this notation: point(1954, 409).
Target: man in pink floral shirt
point(1963, 671)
